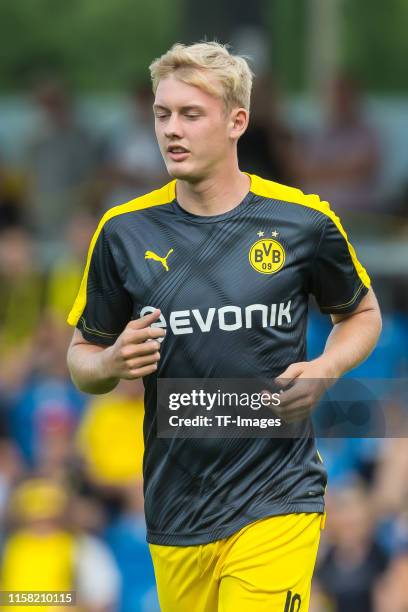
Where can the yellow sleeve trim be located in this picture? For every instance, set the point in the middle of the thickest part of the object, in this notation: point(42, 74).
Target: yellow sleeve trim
point(269, 189)
point(95, 331)
point(155, 198)
point(349, 303)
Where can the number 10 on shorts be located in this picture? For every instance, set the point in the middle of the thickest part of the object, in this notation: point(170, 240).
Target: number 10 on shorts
point(293, 602)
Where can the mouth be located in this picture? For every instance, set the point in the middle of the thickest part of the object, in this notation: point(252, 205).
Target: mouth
point(177, 153)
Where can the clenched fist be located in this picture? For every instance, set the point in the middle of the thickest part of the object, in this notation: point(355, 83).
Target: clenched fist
point(136, 351)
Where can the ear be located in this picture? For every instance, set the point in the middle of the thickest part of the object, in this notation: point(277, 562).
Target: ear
point(238, 122)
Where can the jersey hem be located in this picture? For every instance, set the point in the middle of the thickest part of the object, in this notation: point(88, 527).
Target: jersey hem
point(205, 537)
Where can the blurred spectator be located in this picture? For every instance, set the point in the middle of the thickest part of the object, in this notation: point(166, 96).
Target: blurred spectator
point(400, 207)
point(341, 161)
point(61, 159)
point(391, 593)
point(347, 459)
point(392, 590)
point(22, 289)
point(126, 537)
point(114, 421)
point(87, 512)
point(352, 563)
point(264, 148)
point(43, 423)
point(42, 552)
point(11, 470)
point(390, 488)
point(132, 161)
point(65, 274)
point(45, 414)
point(12, 195)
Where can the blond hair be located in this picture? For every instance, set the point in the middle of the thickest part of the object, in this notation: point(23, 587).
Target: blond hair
point(194, 65)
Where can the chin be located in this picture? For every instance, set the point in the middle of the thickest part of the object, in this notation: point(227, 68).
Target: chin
point(179, 171)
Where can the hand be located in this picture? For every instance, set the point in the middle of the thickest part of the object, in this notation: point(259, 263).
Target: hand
point(136, 351)
point(307, 382)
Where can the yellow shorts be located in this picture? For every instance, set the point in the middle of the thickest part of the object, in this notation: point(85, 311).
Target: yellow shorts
point(266, 566)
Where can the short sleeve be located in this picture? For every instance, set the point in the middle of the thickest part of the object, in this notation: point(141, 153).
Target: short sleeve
point(103, 307)
point(338, 280)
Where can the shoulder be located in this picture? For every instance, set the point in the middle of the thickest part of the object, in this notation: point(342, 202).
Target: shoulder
point(319, 213)
point(113, 217)
point(289, 195)
point(158, 197)
point(108, 226)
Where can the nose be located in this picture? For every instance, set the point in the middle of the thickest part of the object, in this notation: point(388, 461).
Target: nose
point(173, 127)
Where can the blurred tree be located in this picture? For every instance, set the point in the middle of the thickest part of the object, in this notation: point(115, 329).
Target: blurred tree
point(375, 42)
point(215, 20)
point(372, 41)
point(103, 44)
point(95, 44)
point(286, 20)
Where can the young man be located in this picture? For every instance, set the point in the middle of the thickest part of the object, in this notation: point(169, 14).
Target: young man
point(234, 524)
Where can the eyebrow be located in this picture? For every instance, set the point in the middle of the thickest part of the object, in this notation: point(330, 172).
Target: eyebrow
point(189, 107)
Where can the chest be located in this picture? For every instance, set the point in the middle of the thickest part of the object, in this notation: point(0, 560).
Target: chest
point(238, 262)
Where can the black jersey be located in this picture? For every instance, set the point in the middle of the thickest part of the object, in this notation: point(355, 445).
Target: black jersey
point(233, 292)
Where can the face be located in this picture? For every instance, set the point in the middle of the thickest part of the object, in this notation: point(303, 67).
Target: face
point(196, 135)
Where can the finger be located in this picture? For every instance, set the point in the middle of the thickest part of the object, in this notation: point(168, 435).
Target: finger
point(140, 349)
point(298, 415)
point(301, 411)
point(289, 375)
point(155, 332)
point(140, 372)
point(140, 362)
point(145, 321)
point(300, 408)
point(294, 394)
point(297, 411)
point(141, 335)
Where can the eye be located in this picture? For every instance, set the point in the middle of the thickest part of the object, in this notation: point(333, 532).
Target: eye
point(192, 116)
point(161, 115)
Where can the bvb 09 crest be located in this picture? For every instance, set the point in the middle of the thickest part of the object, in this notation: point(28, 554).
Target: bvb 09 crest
point(267, 256)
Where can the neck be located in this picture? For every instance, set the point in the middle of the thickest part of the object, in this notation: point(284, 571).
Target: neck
point(215, 194)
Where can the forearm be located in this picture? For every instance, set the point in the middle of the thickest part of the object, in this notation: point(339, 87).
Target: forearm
point(351, 341)
point(88, 367)
point(135, 354)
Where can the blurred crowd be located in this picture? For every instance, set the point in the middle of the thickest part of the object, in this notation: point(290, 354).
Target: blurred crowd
point(71, 502)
